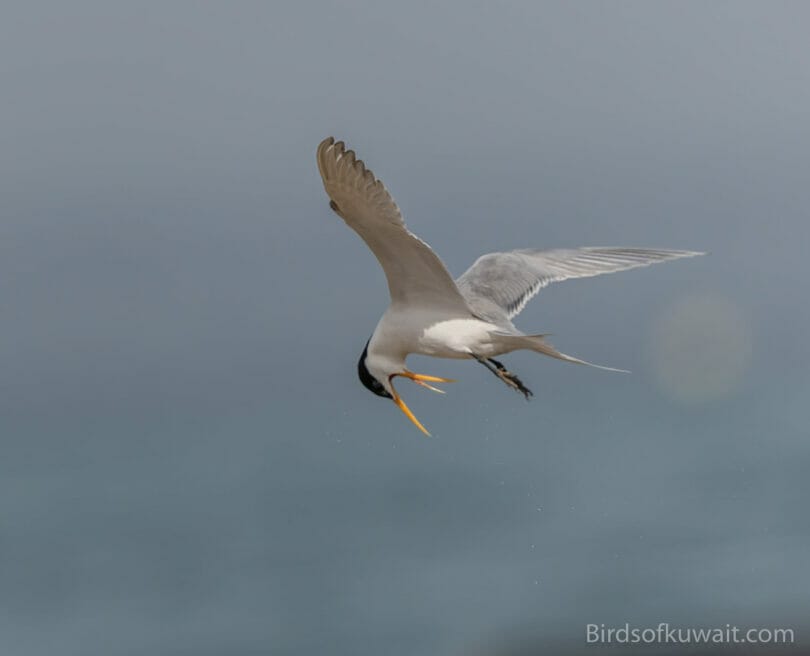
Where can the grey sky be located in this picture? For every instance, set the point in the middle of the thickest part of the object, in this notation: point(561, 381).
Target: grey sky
point(188, 462)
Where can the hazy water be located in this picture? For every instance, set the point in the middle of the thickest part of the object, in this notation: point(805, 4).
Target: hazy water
point(188, 464)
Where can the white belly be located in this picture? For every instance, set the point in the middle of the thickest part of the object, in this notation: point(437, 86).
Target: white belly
point(457, 338)
point(398, 334)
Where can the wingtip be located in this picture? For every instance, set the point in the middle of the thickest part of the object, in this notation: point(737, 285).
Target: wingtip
point(677, 254)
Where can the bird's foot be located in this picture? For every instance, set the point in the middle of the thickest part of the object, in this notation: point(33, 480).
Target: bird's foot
point(505, 375)
point(514, 382)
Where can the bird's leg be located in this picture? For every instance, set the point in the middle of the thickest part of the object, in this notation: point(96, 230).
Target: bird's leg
point(506, 376)
point(511, 379)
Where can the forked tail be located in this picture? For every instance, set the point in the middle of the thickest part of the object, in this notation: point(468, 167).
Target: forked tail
point(539, 344)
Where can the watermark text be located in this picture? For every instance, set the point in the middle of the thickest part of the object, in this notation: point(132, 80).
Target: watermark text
point(666, 634)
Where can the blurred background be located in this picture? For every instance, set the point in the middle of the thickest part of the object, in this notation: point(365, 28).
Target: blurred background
point(188, 463)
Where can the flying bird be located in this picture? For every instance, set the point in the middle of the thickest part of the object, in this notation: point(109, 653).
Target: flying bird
point(432, 314)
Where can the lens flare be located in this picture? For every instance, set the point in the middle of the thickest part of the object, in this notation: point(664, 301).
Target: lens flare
point(701, 347)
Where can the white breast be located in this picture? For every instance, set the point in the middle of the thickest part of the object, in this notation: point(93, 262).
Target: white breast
point(457, 338)
point(400, 333)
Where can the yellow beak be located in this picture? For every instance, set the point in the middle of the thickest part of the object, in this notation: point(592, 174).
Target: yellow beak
point(420, 379)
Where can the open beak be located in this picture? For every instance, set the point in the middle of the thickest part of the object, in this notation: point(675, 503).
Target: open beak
point(419, 379)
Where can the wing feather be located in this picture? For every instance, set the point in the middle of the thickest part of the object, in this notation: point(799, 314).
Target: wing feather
point(416, 276)
point(499, 285)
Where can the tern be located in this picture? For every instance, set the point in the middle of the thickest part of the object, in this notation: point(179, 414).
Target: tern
point(432, 314)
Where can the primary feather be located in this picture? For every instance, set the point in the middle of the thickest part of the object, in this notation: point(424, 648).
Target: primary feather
point(499, 285)
point(416, 276)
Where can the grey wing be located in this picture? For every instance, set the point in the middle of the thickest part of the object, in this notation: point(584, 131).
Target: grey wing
point(416, 276)
point(498, 285)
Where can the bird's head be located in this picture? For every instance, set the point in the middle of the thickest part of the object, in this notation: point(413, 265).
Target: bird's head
point(377, 374)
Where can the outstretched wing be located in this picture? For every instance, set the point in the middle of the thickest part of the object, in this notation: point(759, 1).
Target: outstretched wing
point(499, 285)
point(416, 276)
